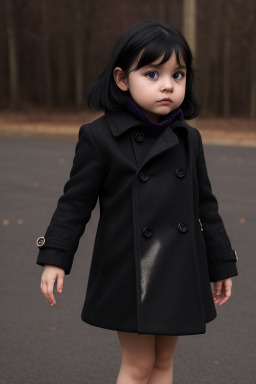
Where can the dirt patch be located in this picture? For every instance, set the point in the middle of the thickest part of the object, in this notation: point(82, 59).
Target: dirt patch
point(227, 131)
point(65, 125)
point(52, 125)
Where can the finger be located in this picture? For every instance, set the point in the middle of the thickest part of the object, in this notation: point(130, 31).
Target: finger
point(218, 287)
point(227, 295)
point(224, 300)
point(217, 300)
point(227, 291)
point(60, 284)
point(50, 286)
point(45, 291)
point(228, 284)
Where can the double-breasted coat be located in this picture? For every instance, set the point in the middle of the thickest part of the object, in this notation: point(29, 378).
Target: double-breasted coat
point(160, 239)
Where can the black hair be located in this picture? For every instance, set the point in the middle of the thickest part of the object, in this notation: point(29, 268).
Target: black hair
point(153, 40)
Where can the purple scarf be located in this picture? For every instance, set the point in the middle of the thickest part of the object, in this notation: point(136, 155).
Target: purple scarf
point(135, 109)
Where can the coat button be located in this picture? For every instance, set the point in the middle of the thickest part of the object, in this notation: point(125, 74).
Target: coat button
point(139, 136)
point(147, 232)
point(182, 227)
point(40, 241)
point(144, 176)
point(180, 173)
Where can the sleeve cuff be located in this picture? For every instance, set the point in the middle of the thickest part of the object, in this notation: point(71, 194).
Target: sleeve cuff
point(222, 270)
point(57, 248)
point(55, 257)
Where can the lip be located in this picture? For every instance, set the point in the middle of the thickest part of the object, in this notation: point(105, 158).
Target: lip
point(165, 101)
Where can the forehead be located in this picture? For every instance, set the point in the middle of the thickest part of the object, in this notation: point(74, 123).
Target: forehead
point(171, 64)
point(144, 59)
point(172, 60)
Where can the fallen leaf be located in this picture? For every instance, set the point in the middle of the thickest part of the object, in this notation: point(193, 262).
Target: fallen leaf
point(51, 329)
point(242, 221)
point(6, 222)
point(20, 221)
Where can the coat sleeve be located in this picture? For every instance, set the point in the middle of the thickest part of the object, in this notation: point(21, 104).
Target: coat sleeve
point(221, 257)
point(75, 205)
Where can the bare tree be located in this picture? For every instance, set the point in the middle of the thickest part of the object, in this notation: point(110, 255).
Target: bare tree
point(12, 53)
point(50, 50)
point(253, 64)
point(247, 49)
point(46, 55)
point(226, 69)
point(163, 9)
point(62, 54)
point(189, 23)
point(78, 47)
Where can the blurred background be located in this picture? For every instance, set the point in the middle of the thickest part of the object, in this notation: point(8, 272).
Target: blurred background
point(50, 50)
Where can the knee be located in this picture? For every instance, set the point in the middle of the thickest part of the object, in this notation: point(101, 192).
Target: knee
point(140, 369)
point(163, 362)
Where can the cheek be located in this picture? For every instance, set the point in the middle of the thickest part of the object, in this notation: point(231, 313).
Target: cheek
point(182, 92)
point(138, 92)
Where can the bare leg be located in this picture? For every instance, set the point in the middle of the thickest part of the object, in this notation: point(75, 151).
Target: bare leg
point(162, 372)
point(138, 357)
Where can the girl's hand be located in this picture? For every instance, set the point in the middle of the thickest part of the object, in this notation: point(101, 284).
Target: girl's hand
point(49, 276)
point(222, 291)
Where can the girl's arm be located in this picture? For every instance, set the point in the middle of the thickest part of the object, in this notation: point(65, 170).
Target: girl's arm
point(74, 207)
point(221, 257)
point(50, 275)
point(222, 291)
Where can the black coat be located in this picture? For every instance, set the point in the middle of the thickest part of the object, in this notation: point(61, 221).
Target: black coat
point(160, 239)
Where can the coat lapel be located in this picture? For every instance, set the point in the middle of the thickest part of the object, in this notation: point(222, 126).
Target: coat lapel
point(120, 122)
point(164, 142)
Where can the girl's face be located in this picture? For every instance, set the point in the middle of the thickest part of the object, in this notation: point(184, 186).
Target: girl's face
point(157, 89)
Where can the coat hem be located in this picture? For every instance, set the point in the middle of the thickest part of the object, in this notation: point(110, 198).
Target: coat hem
point(211, 318)
point(133, 330)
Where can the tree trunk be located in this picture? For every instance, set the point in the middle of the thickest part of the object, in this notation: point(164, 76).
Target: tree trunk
point(163, 9)
point(46, 56)
point(226, 70)
point(253, 69)
point(12, 54)
point(62, 59)
point(189, 23)
point(78, 46)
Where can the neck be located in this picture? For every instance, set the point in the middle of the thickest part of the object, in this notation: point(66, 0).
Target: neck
point(166, 120)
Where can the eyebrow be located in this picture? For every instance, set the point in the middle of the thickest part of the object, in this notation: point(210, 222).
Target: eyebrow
point(158, 65)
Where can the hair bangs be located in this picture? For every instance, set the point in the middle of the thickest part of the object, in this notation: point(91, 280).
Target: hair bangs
point(181, 53)
point(162, 45)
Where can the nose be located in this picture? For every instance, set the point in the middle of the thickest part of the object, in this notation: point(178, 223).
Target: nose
point(167, 85)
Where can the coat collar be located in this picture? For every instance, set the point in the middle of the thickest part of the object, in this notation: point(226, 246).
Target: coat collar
point(121, 121)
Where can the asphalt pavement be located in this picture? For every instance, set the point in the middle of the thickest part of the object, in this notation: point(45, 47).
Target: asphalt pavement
point(44, 345)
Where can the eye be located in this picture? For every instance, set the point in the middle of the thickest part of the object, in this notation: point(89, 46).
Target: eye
point(178, 75)
point(152, 75)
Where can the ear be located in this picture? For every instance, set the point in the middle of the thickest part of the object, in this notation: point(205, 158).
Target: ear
point(120, 79)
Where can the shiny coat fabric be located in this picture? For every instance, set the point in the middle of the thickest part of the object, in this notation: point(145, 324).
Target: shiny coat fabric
point(160, 239)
